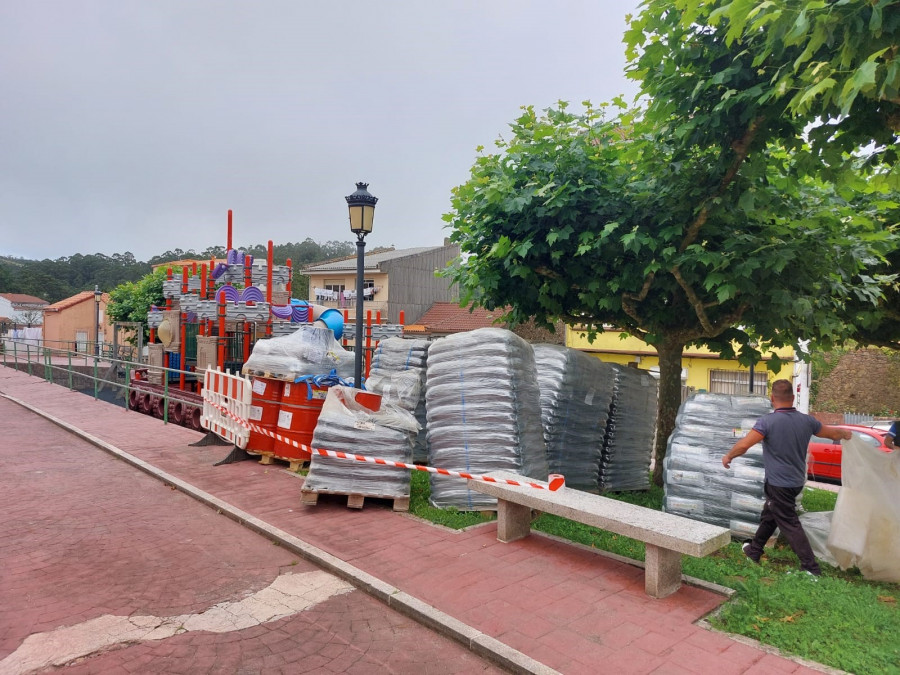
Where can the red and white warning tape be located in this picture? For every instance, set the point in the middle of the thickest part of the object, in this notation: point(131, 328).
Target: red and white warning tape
point(556, 482)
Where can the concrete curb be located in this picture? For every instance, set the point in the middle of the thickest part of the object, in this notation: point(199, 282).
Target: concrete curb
point(483, 645)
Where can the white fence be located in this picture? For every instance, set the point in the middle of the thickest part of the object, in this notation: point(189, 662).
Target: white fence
point(233, 393)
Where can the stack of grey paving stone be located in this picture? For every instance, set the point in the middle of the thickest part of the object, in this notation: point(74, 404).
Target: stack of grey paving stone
point(576, 393)
point(484, 413)
point(346, 426)
point(630, 431)
point(398, 374)
point(697, 486)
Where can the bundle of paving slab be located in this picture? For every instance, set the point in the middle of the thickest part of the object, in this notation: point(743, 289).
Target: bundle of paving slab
point(488, 401)
point(697, 486)
point(475, 402)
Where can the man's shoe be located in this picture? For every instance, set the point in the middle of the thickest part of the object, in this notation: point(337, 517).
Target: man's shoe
point(745, 547)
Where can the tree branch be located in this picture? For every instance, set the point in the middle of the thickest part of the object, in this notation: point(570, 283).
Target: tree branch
point(696, 303)
point(741, 148)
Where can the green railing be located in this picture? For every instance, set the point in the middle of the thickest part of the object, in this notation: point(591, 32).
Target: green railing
point(73, 369)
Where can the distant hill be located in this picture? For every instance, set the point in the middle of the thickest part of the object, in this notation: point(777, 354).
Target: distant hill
point(54, 280)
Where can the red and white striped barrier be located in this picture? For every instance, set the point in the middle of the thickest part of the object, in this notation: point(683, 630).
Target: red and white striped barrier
point(556, 481)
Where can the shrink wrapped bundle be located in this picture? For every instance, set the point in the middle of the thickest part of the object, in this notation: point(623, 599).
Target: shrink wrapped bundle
point(483, 411)
point(346, 426)
point(697, 486)
point(576, 392)
point(631, 429)
point(310, 350)
point(398, 374)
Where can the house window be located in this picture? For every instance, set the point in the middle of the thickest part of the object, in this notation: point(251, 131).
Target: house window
point(336, 285)
point(737, 382)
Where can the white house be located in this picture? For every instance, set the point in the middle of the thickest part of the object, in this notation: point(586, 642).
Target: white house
point(21, 309)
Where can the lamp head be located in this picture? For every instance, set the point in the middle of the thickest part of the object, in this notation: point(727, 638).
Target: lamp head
point(361, 205)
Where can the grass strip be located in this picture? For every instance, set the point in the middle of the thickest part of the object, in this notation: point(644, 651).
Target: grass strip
point(839, 619)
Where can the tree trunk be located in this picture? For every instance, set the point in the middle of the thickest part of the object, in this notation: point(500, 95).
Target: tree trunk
point(669, 399)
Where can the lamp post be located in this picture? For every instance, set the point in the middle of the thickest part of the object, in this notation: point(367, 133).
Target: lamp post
point(97, 295)
point(362, 212)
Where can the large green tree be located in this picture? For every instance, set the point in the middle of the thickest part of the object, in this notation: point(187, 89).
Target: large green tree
point(603, 222)
point(821, 77)
point(747, 203)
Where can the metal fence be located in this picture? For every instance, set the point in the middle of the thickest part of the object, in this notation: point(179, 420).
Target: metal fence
point(102, 376)
point(858, 418)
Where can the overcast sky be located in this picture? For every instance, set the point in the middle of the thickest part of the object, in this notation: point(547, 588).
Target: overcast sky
point(135, 125)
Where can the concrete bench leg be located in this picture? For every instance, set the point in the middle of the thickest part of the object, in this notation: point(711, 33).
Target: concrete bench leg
point(662, 571)
point(513, 521)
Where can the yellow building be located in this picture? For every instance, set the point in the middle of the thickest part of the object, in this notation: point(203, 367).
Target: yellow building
point(702, 369)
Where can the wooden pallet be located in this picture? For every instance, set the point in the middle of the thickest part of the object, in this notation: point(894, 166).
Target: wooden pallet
point(269, 458)
point(354, 501)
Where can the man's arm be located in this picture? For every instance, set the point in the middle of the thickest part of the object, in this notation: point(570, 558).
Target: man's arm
point(833, 433)
point(890, 439)
point(741, 447)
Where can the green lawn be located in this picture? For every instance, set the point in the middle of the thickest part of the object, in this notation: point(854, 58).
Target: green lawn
point(839, 619)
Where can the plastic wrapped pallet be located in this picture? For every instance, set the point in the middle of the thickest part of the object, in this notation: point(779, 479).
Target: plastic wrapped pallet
point(310, 350)
point(346, 426)
point(398, 374)
point(697, 486)
point(576, 392)
point(631, 429)
point(484, 412)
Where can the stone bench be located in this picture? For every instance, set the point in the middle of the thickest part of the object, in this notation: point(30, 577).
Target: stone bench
point(667, 536)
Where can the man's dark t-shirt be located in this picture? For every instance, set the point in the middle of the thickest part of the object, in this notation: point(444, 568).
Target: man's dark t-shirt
point(786, 435)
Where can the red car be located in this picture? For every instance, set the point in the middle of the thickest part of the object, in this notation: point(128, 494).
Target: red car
point(824, 459)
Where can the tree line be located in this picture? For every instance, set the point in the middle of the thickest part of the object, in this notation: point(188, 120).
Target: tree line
point(55, 280)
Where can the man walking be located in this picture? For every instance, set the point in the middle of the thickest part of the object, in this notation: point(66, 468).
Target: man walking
point(785, 435)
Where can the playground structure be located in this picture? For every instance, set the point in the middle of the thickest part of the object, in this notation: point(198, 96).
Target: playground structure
point(213, 316)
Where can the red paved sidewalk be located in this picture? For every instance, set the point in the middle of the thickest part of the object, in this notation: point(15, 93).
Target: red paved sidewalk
point(84, 536)
point(568, 607)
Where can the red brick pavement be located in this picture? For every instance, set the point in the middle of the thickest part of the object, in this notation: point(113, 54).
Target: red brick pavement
point(568, 607)
point(84, 535)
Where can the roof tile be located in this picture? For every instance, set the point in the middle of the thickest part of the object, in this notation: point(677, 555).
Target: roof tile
point(74, 300)
point(449, 317)
point(23, 299)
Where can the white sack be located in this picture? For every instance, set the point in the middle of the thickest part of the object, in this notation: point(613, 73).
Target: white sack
point(865, 529)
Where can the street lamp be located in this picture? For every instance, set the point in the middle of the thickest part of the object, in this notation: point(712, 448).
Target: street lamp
point(97, 295)
point(362, 212)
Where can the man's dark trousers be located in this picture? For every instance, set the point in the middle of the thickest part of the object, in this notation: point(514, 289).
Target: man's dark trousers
point(780, 510)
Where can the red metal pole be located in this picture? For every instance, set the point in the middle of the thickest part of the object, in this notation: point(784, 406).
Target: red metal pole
point(182, 349)
point(228, 248)
point(269, 258)
point(402, 318)
point(344, 342)
point(290, 278)
point(221, 340)
point(368, 340)
point(201, 328)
